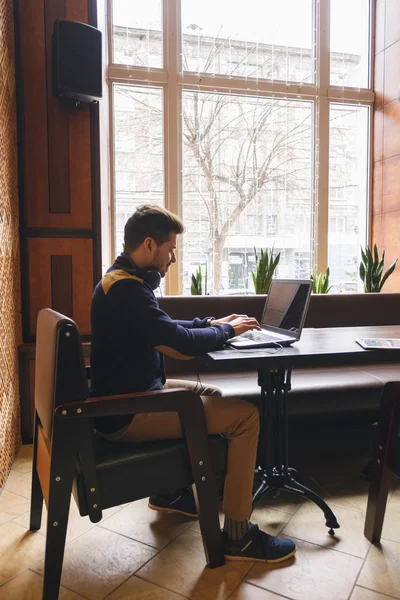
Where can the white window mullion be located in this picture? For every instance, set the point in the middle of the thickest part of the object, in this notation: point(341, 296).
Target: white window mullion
point(132, 75)
point(322, 136)
point(173, 127)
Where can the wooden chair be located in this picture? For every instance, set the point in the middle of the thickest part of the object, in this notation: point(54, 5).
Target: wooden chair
point(69, 456)
point(386, 460)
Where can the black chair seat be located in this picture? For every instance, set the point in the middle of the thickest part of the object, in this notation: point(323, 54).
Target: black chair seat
point(128, 472)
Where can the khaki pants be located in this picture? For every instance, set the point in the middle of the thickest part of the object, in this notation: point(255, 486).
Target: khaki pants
point(237, 419)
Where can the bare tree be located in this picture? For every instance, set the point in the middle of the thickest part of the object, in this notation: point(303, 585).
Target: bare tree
point(238, 147)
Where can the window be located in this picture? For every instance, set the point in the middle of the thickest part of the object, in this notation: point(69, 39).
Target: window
point(349, 33)
point(249, 125)
point(348, 179)
point(218, 39)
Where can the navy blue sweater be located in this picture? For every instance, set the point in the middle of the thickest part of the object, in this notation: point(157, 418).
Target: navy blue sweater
point(130, 334)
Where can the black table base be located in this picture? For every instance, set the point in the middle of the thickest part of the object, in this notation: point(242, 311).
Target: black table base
point(273, 472)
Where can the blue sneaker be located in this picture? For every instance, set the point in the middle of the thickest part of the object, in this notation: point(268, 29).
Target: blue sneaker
point(180, 502)
point(257, 546)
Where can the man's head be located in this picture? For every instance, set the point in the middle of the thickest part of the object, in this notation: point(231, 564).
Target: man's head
point(150, 237)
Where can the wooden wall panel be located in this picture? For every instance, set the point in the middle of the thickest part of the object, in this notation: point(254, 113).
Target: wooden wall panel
point(61, 284)
point(40, 277)
point(80, 168)
point(59, 165)
point(56, 138)
point(33, 117)
point(59, 174)
point(10, 307)
point(77, 11)
point(57, 124)
point(386, 173)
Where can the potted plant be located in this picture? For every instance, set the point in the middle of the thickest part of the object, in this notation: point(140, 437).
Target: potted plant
point(371, 269)
point(320, 283)
point(196, 287)
point(266, 265)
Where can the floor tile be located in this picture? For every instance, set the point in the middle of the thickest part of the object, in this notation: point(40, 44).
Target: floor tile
point(250, 592)
point(12, 506)
point(308, 524)
point(97, 562)
point(76, 524)
point(284, 501)
point(19, 484)
point(139, 522)
point(19, 550)
point(270, 520)
point(396, 495)
point(23, 461)
point(181, 567)
point(381, 570)
point(315, 573)
point(391, 523)
point(139, 589)
point(347, 492)
point(361, 593)
point(29, 586)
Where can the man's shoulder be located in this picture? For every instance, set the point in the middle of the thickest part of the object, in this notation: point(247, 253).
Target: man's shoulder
point(116, 279)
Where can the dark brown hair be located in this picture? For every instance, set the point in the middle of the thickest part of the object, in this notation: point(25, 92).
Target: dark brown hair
point(152, 221)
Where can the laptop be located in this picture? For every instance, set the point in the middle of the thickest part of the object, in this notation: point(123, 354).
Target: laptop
point(283, 317)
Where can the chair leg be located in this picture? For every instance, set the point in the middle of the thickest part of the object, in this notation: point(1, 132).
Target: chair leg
point(60, 489)
point(57, 523)
point(36, 502)
point(207, 508)
point(36, 494)
point(377, 498)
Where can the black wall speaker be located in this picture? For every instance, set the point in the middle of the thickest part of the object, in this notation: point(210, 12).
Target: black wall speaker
point(77, 62)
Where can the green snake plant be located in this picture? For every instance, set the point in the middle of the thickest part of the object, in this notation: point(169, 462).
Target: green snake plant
point(265, 268)
point(196, 287)
point(320, 282)
point(371, 269)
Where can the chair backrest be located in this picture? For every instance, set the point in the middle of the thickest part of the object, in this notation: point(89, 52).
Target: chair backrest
point(60, 369)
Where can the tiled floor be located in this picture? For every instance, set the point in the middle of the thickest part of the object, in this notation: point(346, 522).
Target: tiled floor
point(135, 553)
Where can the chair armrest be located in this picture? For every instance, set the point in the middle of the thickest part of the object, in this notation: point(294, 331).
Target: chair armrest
point(172, 400)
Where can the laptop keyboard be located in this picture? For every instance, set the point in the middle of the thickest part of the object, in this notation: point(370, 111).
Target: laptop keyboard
point(257, 336)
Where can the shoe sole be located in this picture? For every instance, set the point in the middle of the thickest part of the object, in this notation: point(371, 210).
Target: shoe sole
point(172, 510)
point(260, 560)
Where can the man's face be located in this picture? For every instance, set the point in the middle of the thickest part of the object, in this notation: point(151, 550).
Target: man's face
point(164, 255)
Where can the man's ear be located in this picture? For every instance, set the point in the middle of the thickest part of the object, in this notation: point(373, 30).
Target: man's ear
point(148, 244)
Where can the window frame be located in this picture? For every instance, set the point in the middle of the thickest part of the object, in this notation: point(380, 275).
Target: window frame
point(173, 81)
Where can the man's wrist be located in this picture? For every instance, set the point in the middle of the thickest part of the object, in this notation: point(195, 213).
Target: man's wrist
point(209, 321)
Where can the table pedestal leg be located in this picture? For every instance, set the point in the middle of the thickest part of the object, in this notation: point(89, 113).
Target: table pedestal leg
point(273, 472)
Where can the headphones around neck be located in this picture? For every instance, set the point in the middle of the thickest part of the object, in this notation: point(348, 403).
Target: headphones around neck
point(149, 274)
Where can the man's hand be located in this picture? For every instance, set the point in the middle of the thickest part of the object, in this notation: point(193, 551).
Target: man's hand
point(242, 323)
point(227, 319)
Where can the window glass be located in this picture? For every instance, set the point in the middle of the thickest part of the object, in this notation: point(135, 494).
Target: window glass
point(137, 33)
point(349, 29)
point(138, 150)
point(247, 182)
point(348, 193)
point(264, 39)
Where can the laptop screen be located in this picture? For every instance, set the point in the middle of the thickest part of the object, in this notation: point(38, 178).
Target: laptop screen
point(287, 304)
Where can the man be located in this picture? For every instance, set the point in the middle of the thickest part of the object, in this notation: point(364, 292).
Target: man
point(130, 333)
